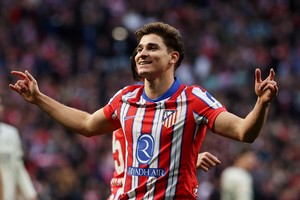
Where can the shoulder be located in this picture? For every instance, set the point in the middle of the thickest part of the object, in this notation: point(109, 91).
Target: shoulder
point(8, 131)
point(131, 92)
point(132, 87)
point(7, 127)
point(195, 89)
point(126, 91)
point(129, 89)
point(235, 173)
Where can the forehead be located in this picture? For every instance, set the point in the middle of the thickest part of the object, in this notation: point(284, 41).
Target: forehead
point(151, 39)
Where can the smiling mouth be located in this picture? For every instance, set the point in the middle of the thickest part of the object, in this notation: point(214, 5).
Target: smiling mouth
point(144, 62)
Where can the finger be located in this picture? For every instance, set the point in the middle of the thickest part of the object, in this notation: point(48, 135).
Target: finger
point(18, 73)
point(267, 84)
point(22, 85)
point(263, 85)
point(204, 167)
point(258, 75)
point(272, 88)
point(29, 76)
point(213, 159)
point(13, 88)
point(216, 161)
point(276, 88)
point(16, 87)
point(271, 75)
point(212, 162)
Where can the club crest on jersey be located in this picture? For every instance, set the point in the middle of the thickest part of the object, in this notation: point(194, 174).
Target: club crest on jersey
point(169, 118)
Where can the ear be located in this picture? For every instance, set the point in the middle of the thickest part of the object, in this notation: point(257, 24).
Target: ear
point(174, 57)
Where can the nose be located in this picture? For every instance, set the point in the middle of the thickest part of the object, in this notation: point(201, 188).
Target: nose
point(143, 53)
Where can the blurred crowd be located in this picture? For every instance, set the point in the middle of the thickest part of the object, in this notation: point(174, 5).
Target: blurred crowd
point(79, 50)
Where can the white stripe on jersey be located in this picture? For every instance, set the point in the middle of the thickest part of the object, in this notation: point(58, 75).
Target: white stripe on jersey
point(156, 133)
point(176, 147)
point(207, 98)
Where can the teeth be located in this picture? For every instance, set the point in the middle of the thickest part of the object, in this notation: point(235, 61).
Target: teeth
point(143, 63)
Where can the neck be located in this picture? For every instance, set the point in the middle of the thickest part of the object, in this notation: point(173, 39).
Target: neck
point(157, 87)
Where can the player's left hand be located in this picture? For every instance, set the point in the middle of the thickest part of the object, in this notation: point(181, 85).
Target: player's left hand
point(266, 89)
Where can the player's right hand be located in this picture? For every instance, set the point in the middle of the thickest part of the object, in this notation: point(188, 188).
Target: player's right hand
point(26, 86)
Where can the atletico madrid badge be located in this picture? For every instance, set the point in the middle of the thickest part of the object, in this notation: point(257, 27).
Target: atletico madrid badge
point(169, 118)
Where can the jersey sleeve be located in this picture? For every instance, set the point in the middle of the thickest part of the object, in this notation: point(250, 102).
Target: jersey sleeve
point(111, 109)
point(206, 108)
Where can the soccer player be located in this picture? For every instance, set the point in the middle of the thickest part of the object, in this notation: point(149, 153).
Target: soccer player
point(164, 121)
point(205, 160)
point(14, 178)
point(236, 181)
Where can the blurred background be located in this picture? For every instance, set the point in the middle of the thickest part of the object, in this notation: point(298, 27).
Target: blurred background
point(79, 50)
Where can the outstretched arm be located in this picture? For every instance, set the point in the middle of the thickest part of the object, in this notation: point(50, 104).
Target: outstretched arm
point(74, 119)
point(247, 129)
point(206, 161)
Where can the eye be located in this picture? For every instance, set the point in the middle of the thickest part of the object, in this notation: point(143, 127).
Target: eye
point(152, 48)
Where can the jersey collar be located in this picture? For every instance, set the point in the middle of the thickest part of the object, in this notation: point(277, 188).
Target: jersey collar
point(172, 90)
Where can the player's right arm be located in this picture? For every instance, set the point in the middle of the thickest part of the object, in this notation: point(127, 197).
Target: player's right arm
point(76, 120)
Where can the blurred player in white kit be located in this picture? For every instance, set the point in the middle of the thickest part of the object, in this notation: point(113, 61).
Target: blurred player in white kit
point(15, 181)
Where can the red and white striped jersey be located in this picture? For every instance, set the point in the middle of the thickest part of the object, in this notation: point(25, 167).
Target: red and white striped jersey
point(162, 139)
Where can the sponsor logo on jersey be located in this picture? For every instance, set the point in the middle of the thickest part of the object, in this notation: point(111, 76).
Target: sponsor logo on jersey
point(137, 171)
point(145, 148)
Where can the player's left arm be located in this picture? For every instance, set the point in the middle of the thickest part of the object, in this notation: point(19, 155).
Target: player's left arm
point(247, 129)
point(206, 161)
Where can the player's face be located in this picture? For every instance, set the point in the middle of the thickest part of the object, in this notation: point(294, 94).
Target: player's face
point(153, 57)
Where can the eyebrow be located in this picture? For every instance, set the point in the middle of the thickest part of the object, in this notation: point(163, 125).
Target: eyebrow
point(148, 44)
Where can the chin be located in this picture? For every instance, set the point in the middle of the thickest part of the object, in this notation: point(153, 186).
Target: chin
point(143, 74)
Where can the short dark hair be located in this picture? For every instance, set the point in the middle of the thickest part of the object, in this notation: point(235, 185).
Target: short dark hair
point(135, 75)
point(243, 151)
point(170, 35)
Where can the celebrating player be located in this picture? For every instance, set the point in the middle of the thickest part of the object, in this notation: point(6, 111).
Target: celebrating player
point(164, 121)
